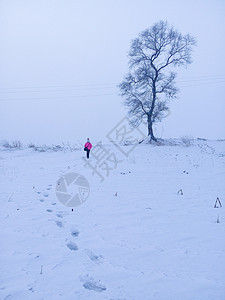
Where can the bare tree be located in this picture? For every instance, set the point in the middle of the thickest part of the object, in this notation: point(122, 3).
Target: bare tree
point(150, 82)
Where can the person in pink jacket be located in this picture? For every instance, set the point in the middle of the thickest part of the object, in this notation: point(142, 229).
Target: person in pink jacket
point(87, 147)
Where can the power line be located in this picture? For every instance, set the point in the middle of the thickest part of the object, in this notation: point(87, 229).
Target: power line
point(203, 79)
point(105, 85)
point(203, 83)
point(61, 90)
point(186, 83)
point(66, 97)
point(63, 86)
point(204, 76)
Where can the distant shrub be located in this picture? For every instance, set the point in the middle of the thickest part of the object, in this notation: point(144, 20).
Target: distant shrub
point(16, 144)
point(31, 145)
point(69, 147)
point(187, 141)
point(5, 144)
point(54, 148)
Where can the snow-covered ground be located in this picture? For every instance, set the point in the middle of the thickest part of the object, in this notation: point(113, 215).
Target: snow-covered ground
point(136, 237)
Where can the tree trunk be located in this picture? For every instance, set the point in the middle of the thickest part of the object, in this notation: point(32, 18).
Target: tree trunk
point(150, 129)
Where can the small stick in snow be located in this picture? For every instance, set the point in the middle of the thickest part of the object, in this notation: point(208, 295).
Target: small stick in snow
point(180, 192)
point(217, 200)
point(10, 197)
point(218, 219)
point(41, 270)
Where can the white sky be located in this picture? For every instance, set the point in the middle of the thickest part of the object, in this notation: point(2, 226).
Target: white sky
point(60, 62)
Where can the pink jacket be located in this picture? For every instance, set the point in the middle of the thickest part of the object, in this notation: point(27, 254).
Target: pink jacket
point(88, 145)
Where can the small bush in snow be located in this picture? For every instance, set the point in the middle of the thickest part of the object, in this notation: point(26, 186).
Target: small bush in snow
point(16, 144)
point(5, 144)
point(31, 145)
point(69, 147)
point(187, 141)
point(54, 148)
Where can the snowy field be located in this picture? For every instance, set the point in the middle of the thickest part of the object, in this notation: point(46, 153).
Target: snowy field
point(148, 231)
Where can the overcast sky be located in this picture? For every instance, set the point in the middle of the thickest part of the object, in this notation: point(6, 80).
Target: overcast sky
point(61, 62)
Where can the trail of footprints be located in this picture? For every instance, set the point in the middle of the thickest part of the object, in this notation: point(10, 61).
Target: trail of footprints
point(88, 282)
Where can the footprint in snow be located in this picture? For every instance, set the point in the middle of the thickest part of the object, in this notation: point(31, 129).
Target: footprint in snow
point(59, 215)
point(98, 259)
point(59, 223)
point(8, 297)
point(42, 200)
point(91, 284)
point(54, 203)
point(46, 195)
point(75, 233)
point(72, 246)
point(49, 210)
